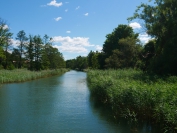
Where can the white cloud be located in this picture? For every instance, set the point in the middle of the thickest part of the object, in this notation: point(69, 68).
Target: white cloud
point(135, 25)
point(144, 38)
point(98, 48)
point(15, 43)
point(77, 7)
point(68, 31)
point(58, 18)
point(75, 44)
point(71, 49)
point(66, 10)
point(54, 3)
point(86, 14)
point(4, 27)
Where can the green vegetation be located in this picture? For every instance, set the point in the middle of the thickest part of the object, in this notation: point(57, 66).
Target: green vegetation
point(160, 23)
point(148, 94)
point(21, 75)
point(33, 52)
point(80, 63)
point(136, 96)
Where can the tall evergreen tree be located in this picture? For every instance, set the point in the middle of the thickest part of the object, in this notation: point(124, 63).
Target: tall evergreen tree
point(21, 36)
point(37, 51)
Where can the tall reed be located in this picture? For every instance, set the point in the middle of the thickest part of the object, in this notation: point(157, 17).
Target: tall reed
point(21, 75)
point(135, 95)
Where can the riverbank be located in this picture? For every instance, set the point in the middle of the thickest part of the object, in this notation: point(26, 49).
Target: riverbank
point(21, 75)
point(137, 96)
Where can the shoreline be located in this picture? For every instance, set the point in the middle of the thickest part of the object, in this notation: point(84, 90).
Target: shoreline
point(23, 75)
point(136, 96)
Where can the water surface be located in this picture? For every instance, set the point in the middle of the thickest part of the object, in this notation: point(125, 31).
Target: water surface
point(59, 104)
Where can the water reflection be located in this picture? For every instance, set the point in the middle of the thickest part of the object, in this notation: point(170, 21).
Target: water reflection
point(105, 113)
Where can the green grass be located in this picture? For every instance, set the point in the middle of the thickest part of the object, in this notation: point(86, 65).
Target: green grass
point(136, 96)
point(21, 75)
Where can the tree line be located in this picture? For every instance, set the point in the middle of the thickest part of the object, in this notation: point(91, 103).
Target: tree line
point(122, 48)
point(32, 52)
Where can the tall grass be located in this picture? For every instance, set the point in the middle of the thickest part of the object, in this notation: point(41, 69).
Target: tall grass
point(21, 75)
point(135, 95)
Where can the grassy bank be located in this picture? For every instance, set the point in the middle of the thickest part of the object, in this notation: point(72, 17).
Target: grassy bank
point(21, 75)
point(137, 96)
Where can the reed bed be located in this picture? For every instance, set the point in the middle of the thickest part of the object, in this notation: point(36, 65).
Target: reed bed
point(137, 96)
point(21, 75)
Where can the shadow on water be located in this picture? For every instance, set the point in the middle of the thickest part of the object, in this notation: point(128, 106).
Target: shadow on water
point(105, 113)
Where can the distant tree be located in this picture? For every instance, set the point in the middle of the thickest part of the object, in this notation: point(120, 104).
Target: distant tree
point(46, 39)
point(2, 56)
point(21, 36)
point(101, 60)
point(4, 31)
point(5, 41)
point(37, 51)
point(89, 58)
point(71, 63)
point(125, 56)
point(46, 52)
point(112, 40)
point(29, 54)
point(95, 60)
point(55, 58)
point(80, 63)
point(15, 57)
point(7, 44)
point(114, 61)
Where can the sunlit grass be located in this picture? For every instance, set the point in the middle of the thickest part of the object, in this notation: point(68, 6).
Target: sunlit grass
point(131, 93)
point(21, 75)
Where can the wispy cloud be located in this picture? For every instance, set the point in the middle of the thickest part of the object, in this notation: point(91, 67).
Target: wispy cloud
point(135, 25)
point(68, 31)
point(74, 45)
point(86, 14)
point(66, 10)
point(77, 7)
point(58, 18)
point(54, 3)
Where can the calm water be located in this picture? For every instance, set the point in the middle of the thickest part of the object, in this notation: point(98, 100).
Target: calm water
point(58, 104)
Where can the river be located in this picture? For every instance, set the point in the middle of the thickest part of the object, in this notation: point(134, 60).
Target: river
point(59, 104)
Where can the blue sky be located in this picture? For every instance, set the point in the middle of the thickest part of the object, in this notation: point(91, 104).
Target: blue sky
point(76, 26)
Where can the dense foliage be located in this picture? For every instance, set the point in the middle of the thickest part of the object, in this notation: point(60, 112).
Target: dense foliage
point(137, 96)
point(122, 49)
point(80, 63)
point(150, 94)
point(161, 23)
point(33, 52)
